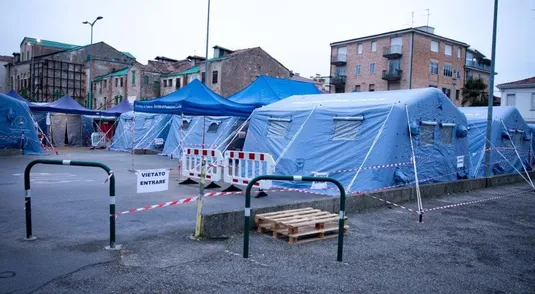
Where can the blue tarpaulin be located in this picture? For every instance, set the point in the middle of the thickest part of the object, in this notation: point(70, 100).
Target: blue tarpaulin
point(341, 129)
point(503, 157)
point(189, 130)
point(142, 134)
point(15, 119)
point(266, 90)
point(193, 99)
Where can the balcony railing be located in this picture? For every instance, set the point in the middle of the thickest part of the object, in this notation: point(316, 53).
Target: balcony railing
point(394, 51)
point(477, 65)
point(338, 80)
point(338, 59)
point(392, 75)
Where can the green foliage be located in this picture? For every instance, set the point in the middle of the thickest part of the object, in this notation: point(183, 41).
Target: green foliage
point(475, 93)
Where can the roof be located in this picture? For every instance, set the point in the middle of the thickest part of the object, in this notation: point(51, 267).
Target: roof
point(239, 52)
point(6, 58)
point(165, 67)
point(402, 31)
point(219, 47)
point(47, 43)
point(189, 71)
point(529, 83)
point(128, 54)
point(118, 73)
point(195, 57)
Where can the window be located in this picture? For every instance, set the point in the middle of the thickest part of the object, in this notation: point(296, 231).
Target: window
point(346, 128)
point(165, 83)
point(105, 102)
point(427, 132)
point(371, 87)
point(359, 49)
point(432, 86)
point(433, 68)
point(156, 85)
point(146, 80)
point(214, 77)
point(374, 46)
point(532, 101)
point(121, 81)
point(357, 88)
point(170, 82)
point(434, 46)
point(185, 124)
point(457, 94)
point(511, 100)
point(372, 67)
point(177, 83)
point(340, 71)
point(447, 50)
point(446, 133)
point(133, 77)
point(116, 82)
point(278, 127)
point(446, 92)
point(203, 77)
point(105, 83)
point(459, 52)
point(459, 73)
point(448, 70)
point(212, 128)
point(27, 55)
point(357, 70)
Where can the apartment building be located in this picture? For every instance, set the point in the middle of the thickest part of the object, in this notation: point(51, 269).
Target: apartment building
point(477, 66)
point(520, 94)
point(403, 59)
point(228, 70)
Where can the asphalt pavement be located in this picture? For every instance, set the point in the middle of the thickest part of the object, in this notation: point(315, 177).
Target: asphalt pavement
point(484, 247)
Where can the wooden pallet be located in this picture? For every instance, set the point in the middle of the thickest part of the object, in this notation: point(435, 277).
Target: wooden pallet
point(300, 225)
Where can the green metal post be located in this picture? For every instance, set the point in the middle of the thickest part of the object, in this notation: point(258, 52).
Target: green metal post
point(247, 213)
point(28, 203)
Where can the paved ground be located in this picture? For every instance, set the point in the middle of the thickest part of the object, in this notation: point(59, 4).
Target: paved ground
point(484, 247)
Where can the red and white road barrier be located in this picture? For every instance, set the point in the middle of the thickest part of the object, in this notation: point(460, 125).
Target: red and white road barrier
point(241, 167)
point(191, 163)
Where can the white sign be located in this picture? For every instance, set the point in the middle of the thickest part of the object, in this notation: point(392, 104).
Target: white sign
point(319, 185)
point(460, 161)
point(152, 180)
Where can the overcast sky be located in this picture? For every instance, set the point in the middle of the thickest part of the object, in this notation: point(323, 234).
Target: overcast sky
point(296, 32)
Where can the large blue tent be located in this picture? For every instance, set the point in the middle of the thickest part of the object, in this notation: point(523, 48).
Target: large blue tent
point(120, 108)
point(16, 122)
point(193, 99)
point(503, 157)
point(266, 90)
point(334, 133)
point(14, 94)
point(66, 104)
point(139, 131)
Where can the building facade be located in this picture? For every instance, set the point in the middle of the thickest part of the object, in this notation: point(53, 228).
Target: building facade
point(4, 76)
point(520, 94)
point(404, 59)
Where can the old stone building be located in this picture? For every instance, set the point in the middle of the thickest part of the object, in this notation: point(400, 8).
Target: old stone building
point(403, 59)
point(228, 70)
point(4, 77)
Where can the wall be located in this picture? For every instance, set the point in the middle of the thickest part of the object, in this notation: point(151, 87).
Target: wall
point(4, 78)
point(147, 90)
point(523, 102)
point(239, 71)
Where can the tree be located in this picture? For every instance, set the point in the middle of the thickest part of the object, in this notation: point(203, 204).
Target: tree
point(475, 93)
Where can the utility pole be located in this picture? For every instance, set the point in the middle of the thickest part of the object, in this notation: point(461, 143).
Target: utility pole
point(90, 98)
point(491, 90)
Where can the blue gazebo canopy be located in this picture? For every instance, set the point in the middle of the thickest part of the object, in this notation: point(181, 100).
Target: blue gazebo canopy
point(66, 104)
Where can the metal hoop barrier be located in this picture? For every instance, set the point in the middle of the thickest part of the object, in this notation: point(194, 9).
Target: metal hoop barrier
point(247, 215)
point(28, 199)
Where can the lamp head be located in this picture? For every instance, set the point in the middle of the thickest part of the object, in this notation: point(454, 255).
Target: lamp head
point(100, 17)
point(85, 22)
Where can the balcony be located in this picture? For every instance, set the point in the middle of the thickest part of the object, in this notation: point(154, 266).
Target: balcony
point(392, 75)
point(339, 59)
point(338, 80)
point(476, 65)
point(394, 51)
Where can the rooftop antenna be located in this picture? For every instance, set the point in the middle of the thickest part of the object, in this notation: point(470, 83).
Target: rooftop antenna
point(412, 21)
point(428, 14)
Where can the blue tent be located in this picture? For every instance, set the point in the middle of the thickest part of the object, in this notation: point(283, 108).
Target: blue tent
point(188, 129)
point(532, 151)
point(148, 127)
point(15, 119)
point(194, 99)
point(341, 129)
point(266, 90)
point(65, 104)
point(120, 108)
point(516, 128)
point(14, 94)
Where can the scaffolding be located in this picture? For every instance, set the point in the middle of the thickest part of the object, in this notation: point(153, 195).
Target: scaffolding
point(51, 79)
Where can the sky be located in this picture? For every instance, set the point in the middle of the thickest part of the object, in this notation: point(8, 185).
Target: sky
point(295, 32)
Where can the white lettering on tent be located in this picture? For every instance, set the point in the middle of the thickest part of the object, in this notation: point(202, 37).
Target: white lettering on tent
point(152, 180)
point(460, 161)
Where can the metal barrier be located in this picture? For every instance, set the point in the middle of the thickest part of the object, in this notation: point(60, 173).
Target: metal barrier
point(247, 213)
point(241, 167)
point(28, 199)
point(191, 165)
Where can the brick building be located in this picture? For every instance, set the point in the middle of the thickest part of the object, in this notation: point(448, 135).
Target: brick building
point(403, 59)
point(229, 70)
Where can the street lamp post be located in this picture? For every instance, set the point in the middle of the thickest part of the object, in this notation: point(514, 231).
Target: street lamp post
point(90, 98)
point(491, 91)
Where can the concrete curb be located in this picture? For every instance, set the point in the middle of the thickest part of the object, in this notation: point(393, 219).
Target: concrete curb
point(231, 222)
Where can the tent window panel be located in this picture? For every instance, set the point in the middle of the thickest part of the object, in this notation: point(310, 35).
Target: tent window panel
point(185, 124)
point(346, 130)
point(519, 138)
point(446, 134)
point(427, 135)
point(213, 127)
point(278, 128)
